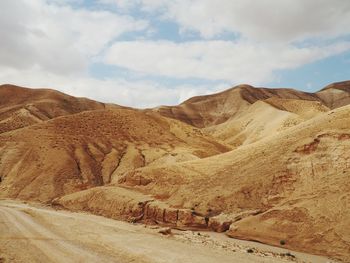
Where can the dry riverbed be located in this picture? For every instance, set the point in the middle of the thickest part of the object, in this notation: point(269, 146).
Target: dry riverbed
point(35, 233)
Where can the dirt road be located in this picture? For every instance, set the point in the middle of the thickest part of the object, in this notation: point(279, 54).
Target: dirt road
point(32, 233)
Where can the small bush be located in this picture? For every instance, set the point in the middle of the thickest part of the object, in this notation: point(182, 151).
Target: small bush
point(282, 242)
point(249, 250)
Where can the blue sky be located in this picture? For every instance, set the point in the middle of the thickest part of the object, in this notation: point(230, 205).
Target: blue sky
point(312, 77)
point(145, 53)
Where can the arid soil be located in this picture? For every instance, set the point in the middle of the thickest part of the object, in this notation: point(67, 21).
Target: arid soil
point(269, 165)
point(31, 233)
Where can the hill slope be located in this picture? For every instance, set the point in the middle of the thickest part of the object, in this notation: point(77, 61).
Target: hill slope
point(93, 148)
point(293, 186)
point(209, 110)
point(285, 181)
point(21, 107)
point(245, 114)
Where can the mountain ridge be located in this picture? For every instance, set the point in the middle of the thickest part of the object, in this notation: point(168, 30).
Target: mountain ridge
point(247, 93)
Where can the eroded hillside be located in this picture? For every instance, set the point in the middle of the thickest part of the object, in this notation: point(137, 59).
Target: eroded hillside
point(93, 148)
point(245, 114)
point(270, 165)
point(21, 107)
point(290, 190)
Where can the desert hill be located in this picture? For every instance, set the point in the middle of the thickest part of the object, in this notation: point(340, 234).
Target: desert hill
point(243, 114)
point(336, 94)
point(209, 110)
point(21, 107)
point(270, 165)
point(265, 118)
point(92, 148)
point(290, 190)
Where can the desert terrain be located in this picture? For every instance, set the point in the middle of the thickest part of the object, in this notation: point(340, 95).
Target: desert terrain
point(255, 164)
point(49, 235)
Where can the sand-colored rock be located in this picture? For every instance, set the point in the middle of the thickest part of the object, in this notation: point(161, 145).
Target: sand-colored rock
point(124, 204)
point(299, 179)
point(47, 235)
point(283, 181)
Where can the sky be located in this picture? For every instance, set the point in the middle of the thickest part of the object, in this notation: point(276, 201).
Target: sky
point(145, 53)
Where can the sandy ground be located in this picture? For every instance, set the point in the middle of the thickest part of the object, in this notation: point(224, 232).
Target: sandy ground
point(33, 233)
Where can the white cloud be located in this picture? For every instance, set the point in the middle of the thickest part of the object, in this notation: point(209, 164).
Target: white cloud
point(50, 43)
point(263, 20)
point(38, 34)
point(267, 32)
point(215, 60)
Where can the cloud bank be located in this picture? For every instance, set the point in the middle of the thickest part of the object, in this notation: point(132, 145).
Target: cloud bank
point(55, 44)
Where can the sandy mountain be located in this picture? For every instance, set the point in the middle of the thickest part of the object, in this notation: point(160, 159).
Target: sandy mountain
point(290, 190)
point(93, 148)
point(245, 114)
point(209, 110)
point(20, 107)
point(265, 118)
point(336, 94)
point(285, 182)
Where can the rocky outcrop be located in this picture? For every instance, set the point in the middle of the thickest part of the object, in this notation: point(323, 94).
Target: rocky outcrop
point(125, 204)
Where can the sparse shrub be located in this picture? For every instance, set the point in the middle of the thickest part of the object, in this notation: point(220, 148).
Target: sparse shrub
point(282, 242)
point(249, 250)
